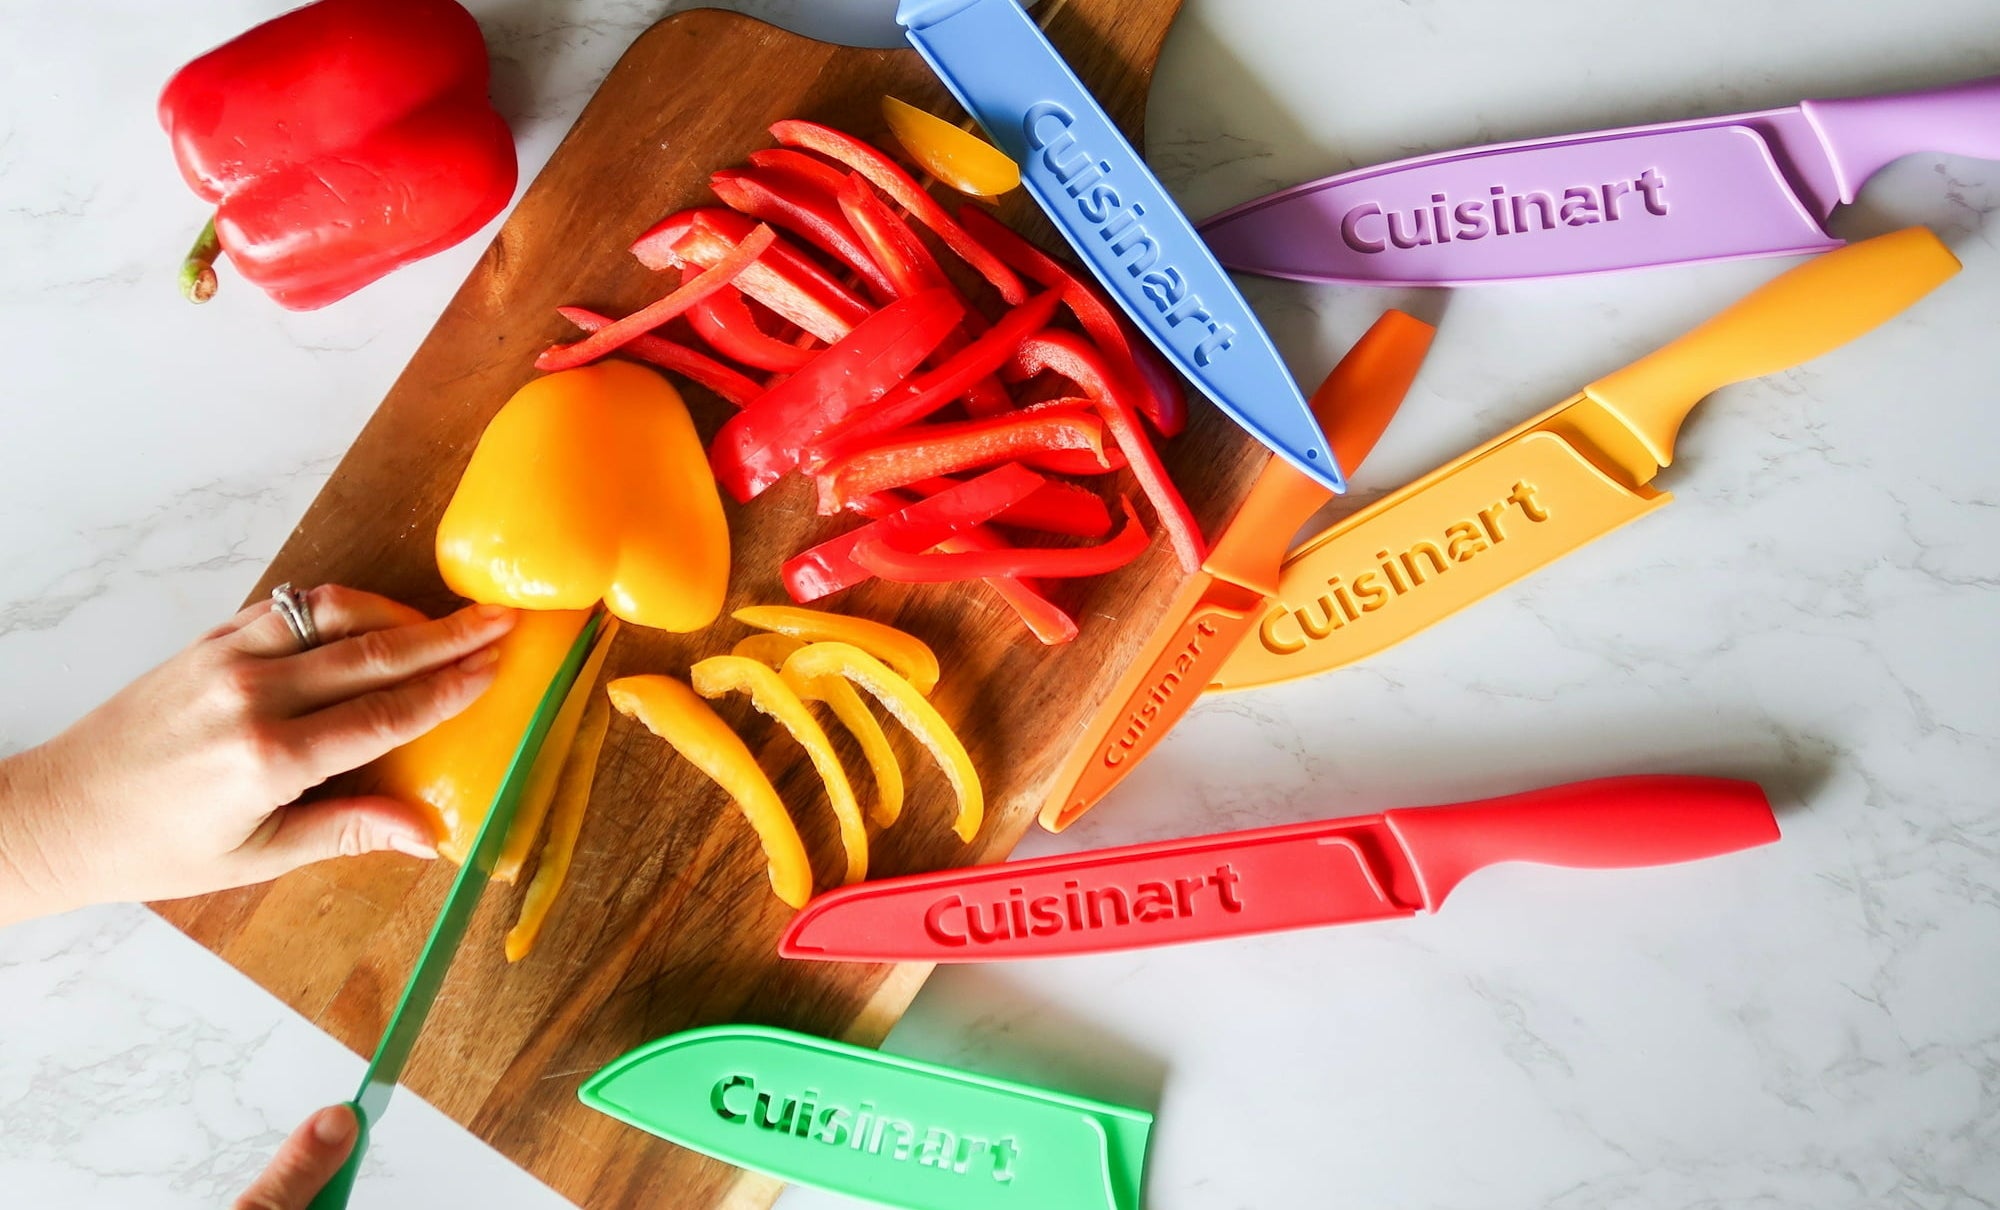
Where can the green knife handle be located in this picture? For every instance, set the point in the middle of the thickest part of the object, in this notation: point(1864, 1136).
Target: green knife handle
point(335, 1194)
point(1805, 312)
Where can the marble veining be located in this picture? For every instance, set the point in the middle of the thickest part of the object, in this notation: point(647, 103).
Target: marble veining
point(1816, 1024)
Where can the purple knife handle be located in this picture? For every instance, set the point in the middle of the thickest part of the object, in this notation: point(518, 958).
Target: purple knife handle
point(1863, 134)
point(1608, 824)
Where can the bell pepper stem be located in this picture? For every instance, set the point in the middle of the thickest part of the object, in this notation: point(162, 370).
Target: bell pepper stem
point(198, 281)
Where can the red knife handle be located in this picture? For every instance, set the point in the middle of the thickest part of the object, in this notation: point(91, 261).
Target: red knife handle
point(1611, 823)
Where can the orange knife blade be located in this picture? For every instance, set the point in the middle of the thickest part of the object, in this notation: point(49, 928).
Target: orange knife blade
point(1222, 603)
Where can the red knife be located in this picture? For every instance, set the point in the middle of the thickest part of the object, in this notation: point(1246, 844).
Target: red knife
point(1368, 867)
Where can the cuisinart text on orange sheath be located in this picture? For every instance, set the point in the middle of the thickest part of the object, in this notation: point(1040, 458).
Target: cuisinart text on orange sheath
point(1348, 599)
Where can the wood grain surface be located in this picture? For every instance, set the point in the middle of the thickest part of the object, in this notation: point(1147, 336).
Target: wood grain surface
point(668, 921)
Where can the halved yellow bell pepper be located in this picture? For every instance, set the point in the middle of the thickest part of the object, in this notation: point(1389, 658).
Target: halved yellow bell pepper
point(591, 484)
point(674, 712)
point(453, 770)
point(853, 713)
point(957, 157)
point(723, 674)
point(901, 699)
point(904, 652)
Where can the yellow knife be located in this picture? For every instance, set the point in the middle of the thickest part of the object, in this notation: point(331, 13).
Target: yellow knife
point(1572, 474)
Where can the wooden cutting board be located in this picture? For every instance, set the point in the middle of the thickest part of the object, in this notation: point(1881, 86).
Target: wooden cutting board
point(668, 921)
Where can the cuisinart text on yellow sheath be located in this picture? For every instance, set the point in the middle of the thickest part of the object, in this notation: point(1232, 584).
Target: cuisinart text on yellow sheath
point(1350, 596)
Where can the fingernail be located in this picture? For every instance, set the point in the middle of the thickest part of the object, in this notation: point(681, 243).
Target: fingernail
point(493, 613)
point(334, 1126)
point(480, 660)
point(413, 846)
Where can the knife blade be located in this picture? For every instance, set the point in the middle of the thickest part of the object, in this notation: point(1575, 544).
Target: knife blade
point(1220, 604)
point(1752, 184)
point(378, 1083)
point(1564, 478)
point(1099, 193)
point(1371, 867)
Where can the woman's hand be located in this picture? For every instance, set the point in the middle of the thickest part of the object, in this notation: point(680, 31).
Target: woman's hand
point(304, 1164)
point(185, 782)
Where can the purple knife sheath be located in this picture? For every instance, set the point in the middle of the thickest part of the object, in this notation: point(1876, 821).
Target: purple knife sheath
point(1755, 184)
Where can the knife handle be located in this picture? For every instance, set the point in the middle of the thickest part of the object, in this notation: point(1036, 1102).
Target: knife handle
point(1799, 315)
point(335, 1193)
point(1864, 134)
point(1610, 823)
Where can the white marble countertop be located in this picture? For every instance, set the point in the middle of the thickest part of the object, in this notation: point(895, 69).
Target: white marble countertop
point(1815, 1024)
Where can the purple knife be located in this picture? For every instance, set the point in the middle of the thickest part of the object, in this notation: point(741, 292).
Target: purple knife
point(1753, 184)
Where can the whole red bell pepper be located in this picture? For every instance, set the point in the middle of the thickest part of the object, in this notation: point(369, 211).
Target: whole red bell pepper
point(338, 142)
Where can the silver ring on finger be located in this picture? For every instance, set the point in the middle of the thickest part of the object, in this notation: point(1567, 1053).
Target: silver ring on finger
point(290, 604)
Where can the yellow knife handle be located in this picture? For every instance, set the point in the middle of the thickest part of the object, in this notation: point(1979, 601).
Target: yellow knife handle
point(1805, 312)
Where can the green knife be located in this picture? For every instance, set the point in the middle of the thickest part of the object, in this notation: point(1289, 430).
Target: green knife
point(408, 1021)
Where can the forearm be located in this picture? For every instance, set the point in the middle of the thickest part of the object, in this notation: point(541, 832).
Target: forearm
point(28, 885)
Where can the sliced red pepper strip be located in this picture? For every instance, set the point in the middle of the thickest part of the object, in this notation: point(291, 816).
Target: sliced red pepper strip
point(912, 267)
point(799, 206)
point(645, 319)
point(830, 567)
point(1045, 619)
point(800, 163)
point(735, 388)
point(928, 451)
point(1163, 402)
point(1078, 462)
point(936, 388)
point(881, 557)
point(723, 319)
point(1074, 358)
point(1056, 507)
point(901, 255)
point(889, 177)
point(759, 444)
point(785, 279)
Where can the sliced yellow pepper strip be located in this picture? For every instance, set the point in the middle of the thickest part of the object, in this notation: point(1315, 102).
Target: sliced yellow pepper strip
point(899, 698)
point(722, 674)
point(550, 762)
point(853, 713)
point(572, 796)
point(675, 713)
point(957, 157)
point(906, 653)
point(767, 649)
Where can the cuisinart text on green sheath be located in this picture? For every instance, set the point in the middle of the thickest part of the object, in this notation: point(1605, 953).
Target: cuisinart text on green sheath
point(737, 1099)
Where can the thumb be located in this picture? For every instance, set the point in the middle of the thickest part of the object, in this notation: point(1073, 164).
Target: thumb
point(340, 827)
point(305, 1162)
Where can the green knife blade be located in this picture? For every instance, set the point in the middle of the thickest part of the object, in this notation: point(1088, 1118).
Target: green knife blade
point(386, 1068)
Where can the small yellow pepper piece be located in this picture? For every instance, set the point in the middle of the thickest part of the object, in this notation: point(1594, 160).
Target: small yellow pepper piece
point(957, 157)
point(899, 698)
point(540, 789)
point(723, 674)
point(572, 796)
point(906, 653)
point(453, 770)
point(853, 713)
point(675, 713)
point(590, 484)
